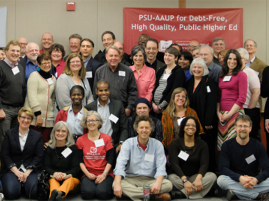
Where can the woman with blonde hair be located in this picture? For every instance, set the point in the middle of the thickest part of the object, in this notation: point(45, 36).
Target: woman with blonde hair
point(61, 162)
point(74, 74)
point(175, 112)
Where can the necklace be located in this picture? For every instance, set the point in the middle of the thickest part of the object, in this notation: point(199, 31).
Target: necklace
point(57, 154)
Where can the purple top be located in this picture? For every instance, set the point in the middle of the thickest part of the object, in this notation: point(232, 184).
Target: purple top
point(233, 91)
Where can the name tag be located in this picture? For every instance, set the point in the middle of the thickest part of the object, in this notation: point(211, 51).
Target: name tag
point(166, 76)
point(208, 89)
point(79, 116)
point(22, 168)
point(180, 120)
point(15, 70)
point(89, 74)
point(50, 82)
point(149, 157)
point(183, 155)
point(66, 152)
point(113, 118)
point(250, 159)
point(99, 143)
point(56, 74)
point(121, 73)
point(227, 78)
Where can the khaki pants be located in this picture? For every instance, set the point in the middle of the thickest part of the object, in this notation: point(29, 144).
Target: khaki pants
point(207, 182)
point(133, 186)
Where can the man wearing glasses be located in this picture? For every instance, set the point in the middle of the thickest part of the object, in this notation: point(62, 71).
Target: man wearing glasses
point(244, 165)
point(152, 48)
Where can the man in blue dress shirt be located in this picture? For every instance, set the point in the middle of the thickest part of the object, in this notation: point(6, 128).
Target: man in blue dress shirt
point(141, 162)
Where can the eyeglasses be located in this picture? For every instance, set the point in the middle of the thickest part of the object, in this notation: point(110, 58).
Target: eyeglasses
point(48, 39)
point(92, 120)
point(45, 64)
point(26, 118)
point(75, 62)
point(190, 125)
point(245, 126)
point(180, 96)
point(62, 131)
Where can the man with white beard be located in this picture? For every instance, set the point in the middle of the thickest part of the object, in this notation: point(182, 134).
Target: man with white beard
point(32, 51)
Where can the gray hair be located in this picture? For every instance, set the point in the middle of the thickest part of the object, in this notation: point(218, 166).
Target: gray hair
point(207, 46)
point(83, 121)
point(113, 47)
point(255, 44)
point(136, 49)
point(245, 52)
point(217, 39)
point(196, 48)
point(69, 139)
point(144, 118)
point(201, 62)
point(75, 36)
point(32, 43)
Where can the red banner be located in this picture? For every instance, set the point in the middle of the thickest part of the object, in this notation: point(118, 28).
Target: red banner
point(172, 25)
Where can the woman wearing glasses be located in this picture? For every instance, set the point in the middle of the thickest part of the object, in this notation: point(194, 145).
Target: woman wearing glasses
point(74, 74)
point(189, 158)
point(22, 158)
point(40, 96)
point(96, 159)
point(176, 111)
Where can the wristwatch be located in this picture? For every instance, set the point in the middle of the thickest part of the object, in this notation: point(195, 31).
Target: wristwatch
point(185, 180)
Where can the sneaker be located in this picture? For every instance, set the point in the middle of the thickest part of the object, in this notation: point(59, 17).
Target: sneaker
point(178, 195)
point(2, 197)
point(263, 196)
point(230, 195)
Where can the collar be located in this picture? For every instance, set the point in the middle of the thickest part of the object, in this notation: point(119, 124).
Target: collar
point(29, 61)
point(252, 59)
point(12, 65)
point(99, 105)
point(88, 59)
point(71, 109)
point(26, 134)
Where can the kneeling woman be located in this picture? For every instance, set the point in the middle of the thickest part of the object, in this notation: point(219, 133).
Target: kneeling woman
point(189, 159)
point(61, 162)
point(98, 157)
point(22, 157)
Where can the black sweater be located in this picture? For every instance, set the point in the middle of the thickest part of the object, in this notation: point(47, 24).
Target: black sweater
point(12, 87)
point(57, 163)
point(233, 160)
point(197, 162)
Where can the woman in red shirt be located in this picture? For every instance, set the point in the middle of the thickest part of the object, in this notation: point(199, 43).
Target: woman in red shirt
point(96, 159)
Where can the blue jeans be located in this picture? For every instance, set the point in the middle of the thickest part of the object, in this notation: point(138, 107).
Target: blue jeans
point(12, 186)
point(226, 183)
point(102, 191)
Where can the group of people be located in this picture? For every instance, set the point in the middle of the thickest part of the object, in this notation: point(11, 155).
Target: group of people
point(115, 123)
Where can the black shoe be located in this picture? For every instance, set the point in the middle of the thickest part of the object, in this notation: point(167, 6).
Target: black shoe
point(60, 195)
point(230, 195)
point(177, 195)
point(263, 196)
point(53, 196)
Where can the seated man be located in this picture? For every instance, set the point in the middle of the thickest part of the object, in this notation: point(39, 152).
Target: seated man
point(241, 159)
point(142, 108)
point(141, 162)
